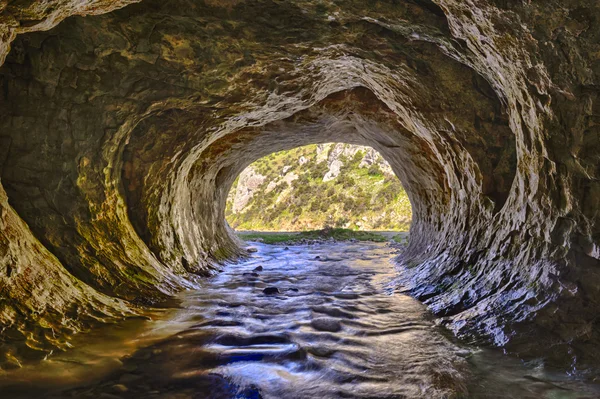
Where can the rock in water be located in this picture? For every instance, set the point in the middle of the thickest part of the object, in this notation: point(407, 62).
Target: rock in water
point(326, 324)
point(119, 388)
point(271, 291)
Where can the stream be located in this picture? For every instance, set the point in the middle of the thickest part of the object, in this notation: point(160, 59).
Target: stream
point(318, 321)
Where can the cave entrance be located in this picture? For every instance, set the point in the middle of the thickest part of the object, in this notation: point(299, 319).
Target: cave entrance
point(331, 186)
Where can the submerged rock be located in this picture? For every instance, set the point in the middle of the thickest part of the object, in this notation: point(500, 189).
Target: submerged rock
point(326, 324)
point(271, 291)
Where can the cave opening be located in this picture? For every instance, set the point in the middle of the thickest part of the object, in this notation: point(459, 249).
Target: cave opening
point(315, 187)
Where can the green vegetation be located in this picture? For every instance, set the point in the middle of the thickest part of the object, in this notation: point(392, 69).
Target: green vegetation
point(401, 238)
point(294, 196)
point(323, 234)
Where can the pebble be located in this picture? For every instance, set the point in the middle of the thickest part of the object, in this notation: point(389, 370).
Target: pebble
point(258, 269)
point(346, 295)
point(252, 249)
point(119, 388)
point(464, 353)
point(326, 324)
point(271, 291)
point(321, 351)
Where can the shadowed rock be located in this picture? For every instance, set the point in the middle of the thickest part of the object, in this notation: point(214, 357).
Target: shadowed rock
point(271, 291)
point(326, 324)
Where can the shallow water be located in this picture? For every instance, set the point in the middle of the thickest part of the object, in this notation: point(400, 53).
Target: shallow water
point(337, 328)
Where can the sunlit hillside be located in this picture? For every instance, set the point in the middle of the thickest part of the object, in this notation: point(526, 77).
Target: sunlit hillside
point(312, 187)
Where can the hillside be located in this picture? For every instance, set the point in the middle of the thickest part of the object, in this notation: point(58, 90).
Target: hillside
point(336, 185)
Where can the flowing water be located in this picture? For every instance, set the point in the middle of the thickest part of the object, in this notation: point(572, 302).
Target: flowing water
point(329, 325)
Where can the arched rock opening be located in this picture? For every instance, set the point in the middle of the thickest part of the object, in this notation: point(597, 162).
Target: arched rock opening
point(122, 133)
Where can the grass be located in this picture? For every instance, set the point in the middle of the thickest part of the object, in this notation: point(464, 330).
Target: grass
point(401, 238)
point(338, 234)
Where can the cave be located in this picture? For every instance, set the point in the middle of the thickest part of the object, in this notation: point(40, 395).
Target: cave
point(123, 125)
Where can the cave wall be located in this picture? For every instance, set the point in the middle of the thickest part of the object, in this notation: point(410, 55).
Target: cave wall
point(121, 133)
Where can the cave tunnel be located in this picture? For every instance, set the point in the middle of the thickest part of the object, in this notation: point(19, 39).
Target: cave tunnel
point(123, 127)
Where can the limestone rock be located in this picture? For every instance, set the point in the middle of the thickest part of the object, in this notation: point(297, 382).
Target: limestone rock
point(249, 181)
point(334, 170)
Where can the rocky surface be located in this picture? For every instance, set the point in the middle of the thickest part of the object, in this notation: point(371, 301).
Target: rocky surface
point(247, 187)
point(121, 134)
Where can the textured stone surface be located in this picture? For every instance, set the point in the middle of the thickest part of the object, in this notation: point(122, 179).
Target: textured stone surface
point(120, 135)
point(248, 184)
point(40, 302)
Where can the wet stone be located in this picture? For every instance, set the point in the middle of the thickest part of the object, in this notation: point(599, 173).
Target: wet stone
point(119, 388)
point(258, 269)
point(346, 295)
point(321, 351)
point(326, 324)
point(271, 291)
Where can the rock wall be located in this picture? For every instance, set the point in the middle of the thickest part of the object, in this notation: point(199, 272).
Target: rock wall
point(121, 134)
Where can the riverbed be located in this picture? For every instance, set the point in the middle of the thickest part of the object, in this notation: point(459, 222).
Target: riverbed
point(318, 321)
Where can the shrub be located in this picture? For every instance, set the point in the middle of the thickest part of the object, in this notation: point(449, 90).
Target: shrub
point(324, 206)
point(374, 170)
point(318, 170)
point(314, 206)
point(348, 182)
point(341, 222)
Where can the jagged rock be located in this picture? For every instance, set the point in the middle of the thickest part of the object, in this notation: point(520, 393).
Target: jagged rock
point(334, 170)
point(249, 182)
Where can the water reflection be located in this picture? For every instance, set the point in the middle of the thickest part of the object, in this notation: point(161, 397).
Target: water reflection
point(305, 322)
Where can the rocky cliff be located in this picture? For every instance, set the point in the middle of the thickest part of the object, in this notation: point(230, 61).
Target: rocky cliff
point(121, 133)
point(312, 187)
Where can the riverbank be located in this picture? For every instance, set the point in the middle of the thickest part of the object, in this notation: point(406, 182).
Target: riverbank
point(321, 236)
